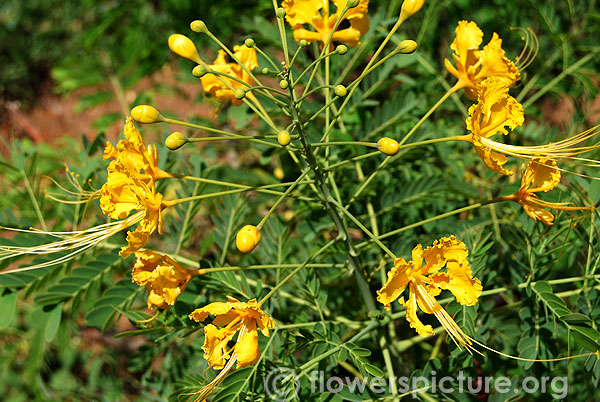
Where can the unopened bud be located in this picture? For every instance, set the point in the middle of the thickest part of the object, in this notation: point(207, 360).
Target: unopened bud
point(283, 84)
point(353, 3)
point(239, 94)
point(175, 141)
point(284, 138)
point(341, 49)
point(406, 46)
point(410, 8)
point(183, 46)
point(388, 146)
point(247, 238)
point(146, 114)
point(199, 71)
point(199, 26)
point(265, 71)
point(303, 43)
point(249, 42)
point(340, 90)
point(280, 13)
point(278, 173)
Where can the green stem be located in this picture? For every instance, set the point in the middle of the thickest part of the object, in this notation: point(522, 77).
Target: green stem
point(435, 218)
point(295, 271)
point(455, 88)
point(280, 200)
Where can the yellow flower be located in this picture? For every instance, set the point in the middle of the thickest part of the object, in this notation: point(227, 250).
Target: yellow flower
point(474, 65)
point(425, 282)
point(130, 186)
point(495, 111)
point(222, 87)
point(317, 14)
point(164, 278)
point(234, 316)
point(542, 175)
point(133, 153)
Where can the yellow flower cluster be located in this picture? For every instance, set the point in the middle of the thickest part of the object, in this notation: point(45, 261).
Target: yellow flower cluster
point(486, 76)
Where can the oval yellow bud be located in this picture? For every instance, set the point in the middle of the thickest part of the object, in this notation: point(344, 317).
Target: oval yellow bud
point(199, 71)
point(247, 239)
point(278, 173)
point(249, 42)
point(183, 46)
point(410, 8)
point(340, 91)
point(198, 26)
point(175, 141)
point(406, 46)
point(283, 84)
point(388, 146)
point(280, 12)
point(239, 94)
point(341, 49)
point(146, 114)
point(284, 138)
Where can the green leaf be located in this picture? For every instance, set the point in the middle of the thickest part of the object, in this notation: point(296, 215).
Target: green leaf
point(8, 303)
point(54, 317)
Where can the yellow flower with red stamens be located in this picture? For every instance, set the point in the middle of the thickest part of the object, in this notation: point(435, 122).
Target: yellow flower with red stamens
point(317, 14)
point(164, 278)
point(425, 282)
point(542, 175)
point(473, 66)
point(223, 87)
point(234, 316)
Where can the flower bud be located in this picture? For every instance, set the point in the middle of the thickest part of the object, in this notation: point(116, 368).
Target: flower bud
point(183, 46)
point(410, 8)
point(278, 173)
point(283, 84)
point(406, 46)
point(265, 71)
point(249, 42)
point(247, 239)
point(341, 49)
point(280, 13)
point(284, 138)
point(175, 141)
point(353, 3)
point(388, 146)
point(146, 114)
point(340, 90)
point(239, 94)
point(303, 43)
point(199, 71)
point(199, 26)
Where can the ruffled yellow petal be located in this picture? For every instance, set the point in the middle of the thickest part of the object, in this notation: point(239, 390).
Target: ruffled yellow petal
point(495, 64)
point(396, 283)
point(215, 345)
point(411, 313)
point(536, 212)
point(467, 40)
point(317, 14)
point(246, 348)
point(300, 12)
point(494, 160)
point(542, 174)
point(216, 309)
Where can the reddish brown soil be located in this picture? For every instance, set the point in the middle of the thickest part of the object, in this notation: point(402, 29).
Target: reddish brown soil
point(55, 116)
